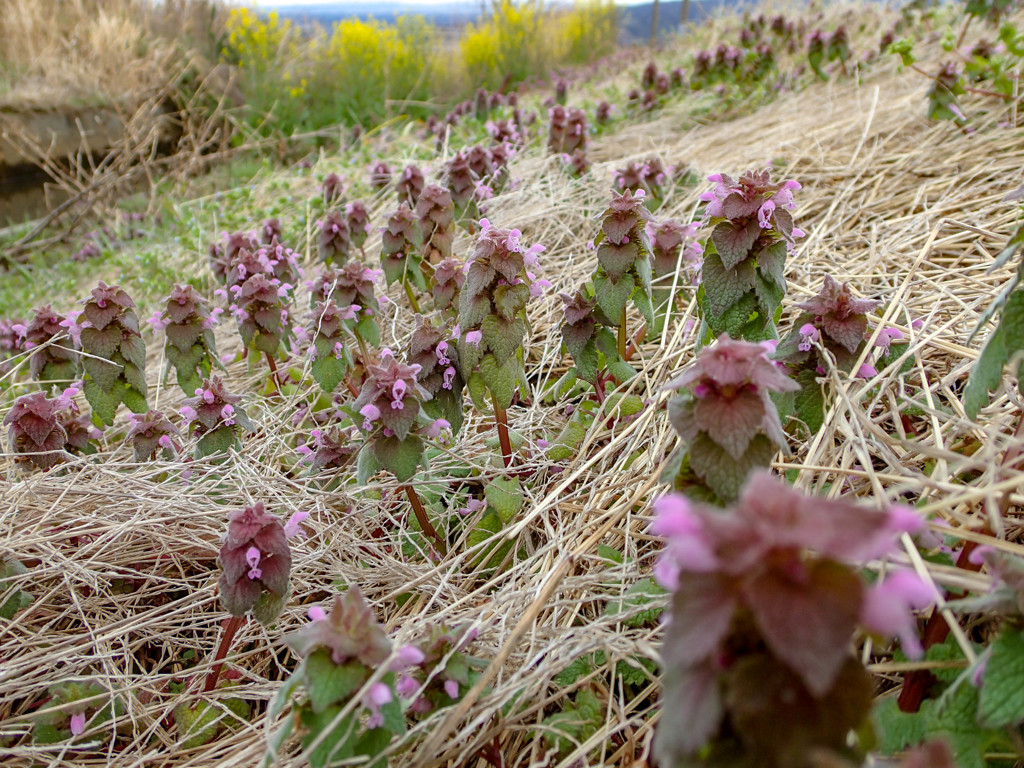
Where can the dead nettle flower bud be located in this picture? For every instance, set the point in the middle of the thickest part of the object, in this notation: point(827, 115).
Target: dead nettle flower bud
point(358, 219)
point(259, 308)
point(649, 175)
point(624, 261)
point(400, 248)
point(726, 418)
point(481, 104)
point(561, 91)
point(115, 359)
point(332, 189)
point(389, 404)
point(380, 175)
point(649, 75)
point(271, 232)
point(283, 263)
point(436, 216)
point(151, 433)
point(567, 131)
point(841, 317)
point(79, 428)
point(215, 417)
point(257, 560)
point(584, 324)
point(578, 163)
point(504, 131)
point(437, 671)
point(221, 257)
point(603, 113)
point(433, 349)
point(745, 257)
point(35, 435)
point(500, 155)
point(354, 284)
point(10, 341)
point(333, 449)
point(445, 282)
point(492, 314)
point(774, 585)
point(674, 246)
point(409, 185)
point(188, 323)
point(330, 343)
point(466, 186)
point(54, 359)
point(335, 239)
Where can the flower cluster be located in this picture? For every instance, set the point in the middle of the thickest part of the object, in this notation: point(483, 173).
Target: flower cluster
point(256, 559)
point(335, 240)
point(54, 359)
point(354, 284)
point(380, 175)
point(389, 404)
point(271, 232)
point(332, 449)
point(446, 281)
point(766, 601)
point(215, 416)
point(35, 434)
point(568, 130)
point(329, 349)
point(649, 176)
point(400, 248)
point(115, 359)
point(10, 341)
point(340, 652)
point(743, 275)
point(436, 215)
point(409, 185)
point(188, 324)
point(492, 314)
point(577, 164)
point(434, 350)
point(151, 433)
point(332, 189)
point(674, 245)
point(726, 418)
point(259, 307)
point(442, 672)
point(222, 257)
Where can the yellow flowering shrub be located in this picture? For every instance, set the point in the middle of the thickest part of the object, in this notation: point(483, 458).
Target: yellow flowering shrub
point(259, 45)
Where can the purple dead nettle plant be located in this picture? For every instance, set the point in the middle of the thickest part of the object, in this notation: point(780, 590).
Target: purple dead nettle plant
point(492, 318)
point(390, 406)
point(107, 329)
point(675, 258)
point(466, 186)
point(222, 256)
point(728, 425)
point(342, 651)
point(353, 284)
point(257, 561)
point(603, 113)
point(436, 215)
point(400, 254)
point(332, 189)
point(331, 448)
point(832, 329)
point(766, 602)
point(260, 307)
point(380, 175)
point(567, 131)
point(444, 671)
point(271, 232)
point(215, 417)
point(329, 343)
point(446, 281)
point(152, 433)
point(10, 342)
point(334, 242)
point(409, 185)
point(358, 218)
point(650, 175)
point(578, 164)
point(188, 323)
point(434, 349)
point(504, 132)
point(36, 433)
point(53, 355)
point(743, 275)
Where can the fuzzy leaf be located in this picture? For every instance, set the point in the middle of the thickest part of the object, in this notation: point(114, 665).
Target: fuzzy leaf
point(810, 401)
point(104, 402)
point(330, 683)
point(328, 371)
point(105, 374)
point(502, 337)
point(732, 423)
point(771, 263)
point(102, 343)
point(724, 475)
point(896, 729)
point(724, 287)
point(613, 297)
point(954, 719)
point(220, 440)
point(366, 466)
point(617, 259)
point(693, 697)
point(500, 379)
point(402, 458)
point(733, 243)
point(509, 300)
point(986, 373)
point(505, 497)
point(368, 331)
point(849, 332)
point(1002, 690)
point(808, 623)
point(338, 745)
point(769, 294)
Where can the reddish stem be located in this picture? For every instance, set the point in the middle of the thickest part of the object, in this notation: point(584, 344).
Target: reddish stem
point(231, 627)
point(501, 419)
point(424, 521)
point(273, 372)
point(634, 345)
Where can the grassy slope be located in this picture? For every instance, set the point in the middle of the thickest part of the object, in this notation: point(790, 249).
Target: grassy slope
point(907, 210)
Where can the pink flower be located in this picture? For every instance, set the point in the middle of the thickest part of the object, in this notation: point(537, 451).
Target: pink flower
point(448, 377)
point(316, 613)
point(188, 413)
point(866, 371)
point(252, 557)
point(78, 723)
point(407, 686)
point(442, 353)
point(227, 411)
point(375, 697)
point(888, 336)
point(473, 505)
point(398, 390)
point(370, 414)
point(888, 605)
point(808, 335)
point(765, 213)
point(407, 656)
point(474, 338)
point(434, 430)
point(293, 527)
point(451, 687)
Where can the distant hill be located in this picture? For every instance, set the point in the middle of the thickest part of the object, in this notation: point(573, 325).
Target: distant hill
point(635, 28)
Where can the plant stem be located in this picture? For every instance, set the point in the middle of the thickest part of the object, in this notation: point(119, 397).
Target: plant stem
point(363, 352)
point(273, 372)
point(231, 627)
point(501, 419)
point(412, 296)
point(917, 683)
point(421, 517)
point(635, 342)
point(622, 334)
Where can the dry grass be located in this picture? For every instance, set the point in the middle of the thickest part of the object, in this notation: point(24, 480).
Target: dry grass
point(908, 211)
point(61, 52)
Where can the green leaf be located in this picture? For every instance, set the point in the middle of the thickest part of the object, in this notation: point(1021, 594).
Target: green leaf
point(402, 458)
point(505, 496)
point(769, 294)
point(898, 730)
point(642, 301)
point(771, 263)
point(1002, 685)
point(329, 683)
point(733, 243)
point(135, 400)
point(986, 373)
point(104, 402)
point(724, 287)
point(328, 371)
point(638, 595)
point(568, 441)
point(502, 337)
point(500, 379)
point(954, 719)
point(613, 297)
point(809, 402)
point(220, 440)
point(105, 373)
point(494, 553)
point(366, 465)
point(367, 330)
point(338, 745)
point(12, 599)
point(723, 474)
point(579, 669)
